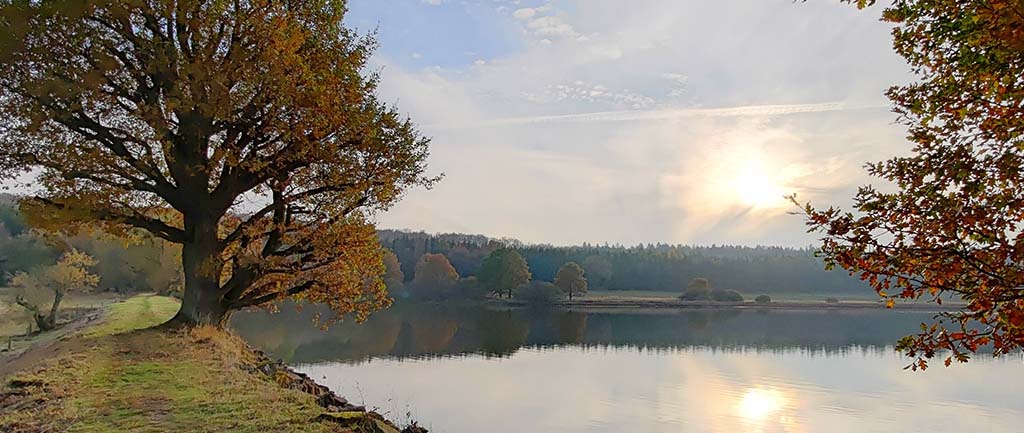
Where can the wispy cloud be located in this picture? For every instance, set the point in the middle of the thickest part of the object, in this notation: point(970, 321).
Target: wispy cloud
point(666, 114)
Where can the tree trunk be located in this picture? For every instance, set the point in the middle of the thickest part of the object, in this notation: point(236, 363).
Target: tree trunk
point(48, 321)
point(202, 301)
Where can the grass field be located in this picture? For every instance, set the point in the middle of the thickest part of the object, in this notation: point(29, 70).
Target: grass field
point(14, 319)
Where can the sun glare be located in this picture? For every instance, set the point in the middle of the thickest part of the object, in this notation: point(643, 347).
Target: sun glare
point(756, 188)
point(757, 404)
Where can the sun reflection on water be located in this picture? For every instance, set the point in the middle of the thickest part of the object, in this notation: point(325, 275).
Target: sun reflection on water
point(757, 404)
point(767, 410)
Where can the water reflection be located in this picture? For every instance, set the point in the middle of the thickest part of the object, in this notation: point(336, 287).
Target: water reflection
point(758, 404)
point(437, 330)
point(463, 370)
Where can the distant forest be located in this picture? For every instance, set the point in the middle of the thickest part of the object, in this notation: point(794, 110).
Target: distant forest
point(153, 265)
point(660, 267)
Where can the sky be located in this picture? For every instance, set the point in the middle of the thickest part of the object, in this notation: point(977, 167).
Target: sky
point(650, 121)
point(678, 121)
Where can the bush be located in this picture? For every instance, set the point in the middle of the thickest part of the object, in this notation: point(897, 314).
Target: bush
point(832, 301)
point(699, 289)
point(539, 293)
point(763, 299)
point(719, 295)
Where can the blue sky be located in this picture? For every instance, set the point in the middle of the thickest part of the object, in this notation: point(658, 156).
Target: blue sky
point(644, 121)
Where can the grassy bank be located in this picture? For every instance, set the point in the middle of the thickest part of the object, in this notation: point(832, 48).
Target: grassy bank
point(118, 376)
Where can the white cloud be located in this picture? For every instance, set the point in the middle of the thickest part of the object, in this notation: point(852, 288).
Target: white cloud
point(640, 124)
point(663, 114)
point(550, 26)
point(524, 13)
point(433, 2)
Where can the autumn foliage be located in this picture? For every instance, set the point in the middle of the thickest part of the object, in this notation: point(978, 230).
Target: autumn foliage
point(249, 132)
point(49, 284)
point(953, 224)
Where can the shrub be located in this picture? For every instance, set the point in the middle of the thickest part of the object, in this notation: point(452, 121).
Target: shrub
point(699, 289)
point(763, 299)
point(539, 293)
point(719, 295)
point(832, 301)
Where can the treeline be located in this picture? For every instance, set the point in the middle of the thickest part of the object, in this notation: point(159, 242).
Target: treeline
point(123, 264)
point(661, 267)
point(149, 264)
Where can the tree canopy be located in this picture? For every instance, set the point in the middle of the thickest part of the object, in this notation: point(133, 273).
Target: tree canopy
point(49, 284)
point(953, 223)
point(435, 276)
point(248, 132)
point(570, 279)
point(662, 267)
point(504, 271)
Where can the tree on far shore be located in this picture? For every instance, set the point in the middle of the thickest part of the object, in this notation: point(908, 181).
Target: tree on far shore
point(435, 277)
point(699, 289)
point(175, 117)
point(393, 276)
point(571, 280)
point(504, 271)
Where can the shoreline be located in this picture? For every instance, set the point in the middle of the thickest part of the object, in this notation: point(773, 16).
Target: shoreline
point(676, 304)
point(116, 369)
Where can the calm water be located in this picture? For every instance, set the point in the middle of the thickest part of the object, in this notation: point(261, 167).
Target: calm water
point(462, 370)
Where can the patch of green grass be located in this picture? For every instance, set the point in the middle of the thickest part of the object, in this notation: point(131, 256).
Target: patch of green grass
point(867, 295)
point(630, 294)
point(15, 319)
point(194, 394)
point(157, 380)
point(139, 312)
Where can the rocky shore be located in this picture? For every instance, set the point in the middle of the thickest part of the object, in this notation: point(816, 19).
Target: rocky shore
point(338, 409)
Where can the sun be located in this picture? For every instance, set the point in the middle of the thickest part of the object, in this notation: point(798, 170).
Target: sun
point(755, 187)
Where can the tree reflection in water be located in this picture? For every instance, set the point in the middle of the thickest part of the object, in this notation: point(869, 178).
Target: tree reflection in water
point(428, 330)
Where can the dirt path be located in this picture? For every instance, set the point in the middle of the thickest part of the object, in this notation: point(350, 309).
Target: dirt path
point(46, 345)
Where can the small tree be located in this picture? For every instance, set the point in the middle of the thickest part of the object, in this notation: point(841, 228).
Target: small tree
point(699, 289)
point(434, 277)
point(763, 299)
point(570, 279)
point(503, 271)
point(70, 273)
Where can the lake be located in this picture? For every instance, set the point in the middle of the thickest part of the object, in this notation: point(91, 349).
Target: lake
point(474, 369)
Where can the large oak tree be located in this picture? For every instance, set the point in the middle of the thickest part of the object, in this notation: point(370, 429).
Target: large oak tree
point(248, 131)
point(952, 224)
